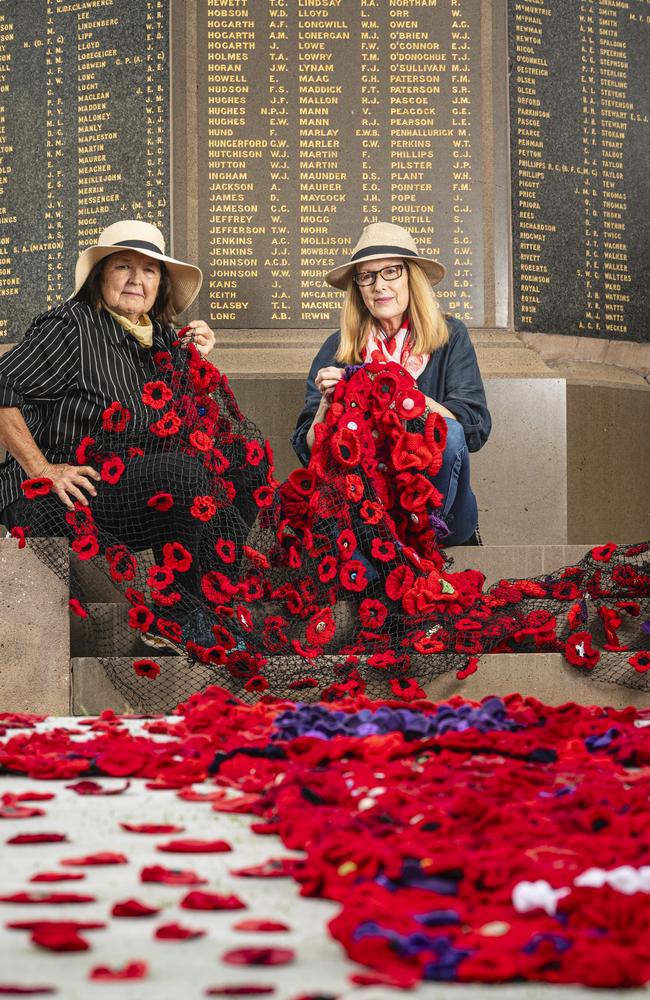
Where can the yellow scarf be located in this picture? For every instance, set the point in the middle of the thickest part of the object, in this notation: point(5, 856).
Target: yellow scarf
point(142, 331)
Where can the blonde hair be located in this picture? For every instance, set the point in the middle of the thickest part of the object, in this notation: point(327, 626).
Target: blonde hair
point(429, 329)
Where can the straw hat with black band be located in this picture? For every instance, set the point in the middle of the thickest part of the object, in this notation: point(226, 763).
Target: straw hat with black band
point(145, 238)
point(379, 240)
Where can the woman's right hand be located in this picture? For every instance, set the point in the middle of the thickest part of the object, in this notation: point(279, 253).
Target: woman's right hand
point(69, 481)
point(327, 379)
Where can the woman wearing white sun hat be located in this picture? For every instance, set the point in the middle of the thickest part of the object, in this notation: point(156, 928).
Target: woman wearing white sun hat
point(390, 313)
point(78, 365)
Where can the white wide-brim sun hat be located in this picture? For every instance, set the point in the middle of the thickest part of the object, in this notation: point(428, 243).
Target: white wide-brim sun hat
point(379, 240)
point(145, 238)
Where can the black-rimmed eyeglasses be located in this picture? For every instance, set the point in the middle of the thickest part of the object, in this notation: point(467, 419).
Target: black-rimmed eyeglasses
point(390, 273)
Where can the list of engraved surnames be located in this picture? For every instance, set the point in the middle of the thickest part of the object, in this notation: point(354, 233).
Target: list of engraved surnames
point(316, 118)
point(84, 138)
point(580, 130)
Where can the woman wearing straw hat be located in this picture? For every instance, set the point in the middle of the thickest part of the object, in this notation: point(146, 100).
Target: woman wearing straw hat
point(89, 371)
point(390, 313)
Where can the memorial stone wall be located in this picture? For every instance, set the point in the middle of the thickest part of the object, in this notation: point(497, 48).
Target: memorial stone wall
point(84, 138)
point(580, 135)
point(264, 134)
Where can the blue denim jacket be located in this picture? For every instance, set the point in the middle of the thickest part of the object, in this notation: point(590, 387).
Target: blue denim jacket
point(451, 377)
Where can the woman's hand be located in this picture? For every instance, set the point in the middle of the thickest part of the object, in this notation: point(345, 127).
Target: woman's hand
point(434, 407)
point(200, 334)
point(327, 379)
point(69, 482)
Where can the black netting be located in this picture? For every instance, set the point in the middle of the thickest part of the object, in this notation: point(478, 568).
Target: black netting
point(194, 563)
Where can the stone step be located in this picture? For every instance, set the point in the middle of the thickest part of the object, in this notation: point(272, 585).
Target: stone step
point(545, 676)
point(505, 562)
point(106, 631)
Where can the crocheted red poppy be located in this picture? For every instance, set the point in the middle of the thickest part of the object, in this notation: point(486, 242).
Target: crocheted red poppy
point(77, 608)
point(133, 908)
point(353, 487)
point(170, 876)
point(263, 496)
point(345, 447)
point(321, 628)
point(112, 470)
point(176, 557)
point(203, 508)
point(603, 553)
point(258, 684)
point(176, 932)
point(114, 418)
point(371, 511)
point(372, 613)
point(352, 575)
point(146, 668)
point(132, 970)
point(398, 581)
point(225, 549)
point(170, 423)
point(85, 546)
point(202, 442)
point(38, 487)
point(122, 563)
point(159, 577)
point(140, 617)
point(156, 394)
point(21, 534)
point(640, 661)
point(578, 650)
point(253, 453)
point(409, 404)
point(384, 387)
point(161, 501)
point(198, 900)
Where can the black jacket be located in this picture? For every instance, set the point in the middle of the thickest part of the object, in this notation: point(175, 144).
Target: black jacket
point(71, 365)
point(451, 377)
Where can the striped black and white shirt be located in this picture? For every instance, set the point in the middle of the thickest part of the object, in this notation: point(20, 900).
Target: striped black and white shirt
point(71, 365)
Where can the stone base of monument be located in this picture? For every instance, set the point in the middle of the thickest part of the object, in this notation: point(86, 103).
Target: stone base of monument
point(34, 633)
point(545, 676)
point(47, 666)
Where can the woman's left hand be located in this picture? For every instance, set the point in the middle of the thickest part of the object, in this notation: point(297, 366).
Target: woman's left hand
point(200, 334)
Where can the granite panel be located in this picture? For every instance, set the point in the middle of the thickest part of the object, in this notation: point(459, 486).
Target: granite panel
point(84, 137)
point(579, 112)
